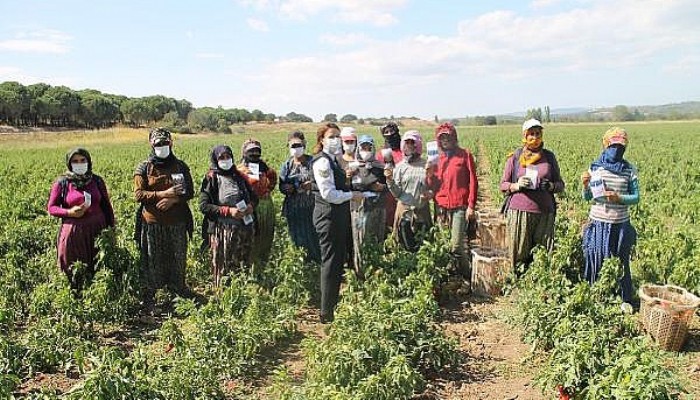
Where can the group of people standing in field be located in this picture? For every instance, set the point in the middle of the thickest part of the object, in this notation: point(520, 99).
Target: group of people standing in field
point(345, 197)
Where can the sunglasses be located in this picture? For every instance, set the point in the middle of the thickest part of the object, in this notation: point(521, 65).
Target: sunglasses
point(296, 145)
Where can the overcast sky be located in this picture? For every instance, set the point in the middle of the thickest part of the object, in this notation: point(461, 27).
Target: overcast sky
point(365, 57)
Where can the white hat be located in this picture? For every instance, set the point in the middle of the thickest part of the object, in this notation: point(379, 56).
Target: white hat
point(531, 123)
point(348, 132)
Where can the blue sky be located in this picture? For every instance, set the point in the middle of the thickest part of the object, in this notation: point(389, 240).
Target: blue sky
point(365, 57)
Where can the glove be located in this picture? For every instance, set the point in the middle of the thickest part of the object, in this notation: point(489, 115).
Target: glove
point(523, 182)
point(546, 185)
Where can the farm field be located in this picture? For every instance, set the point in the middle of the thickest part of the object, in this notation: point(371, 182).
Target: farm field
point(260, 337)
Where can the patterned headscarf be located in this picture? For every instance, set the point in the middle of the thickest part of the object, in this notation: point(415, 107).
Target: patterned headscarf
point(155, 136)
point(615, 135)
point(159, 135)
point(79, 181)
point(249, 145)
point(449, 130)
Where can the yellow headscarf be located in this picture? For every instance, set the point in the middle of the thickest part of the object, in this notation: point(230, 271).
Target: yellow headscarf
point(615, 135)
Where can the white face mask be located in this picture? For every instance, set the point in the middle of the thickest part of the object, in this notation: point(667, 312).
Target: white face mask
point(162, 151)
point(332, 145)
point(365, 155)
point(79, 168)
point(225, 164)
point(349, 148)
point(296, 151)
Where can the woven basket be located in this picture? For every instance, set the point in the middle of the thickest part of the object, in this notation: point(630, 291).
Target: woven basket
point(666, 312)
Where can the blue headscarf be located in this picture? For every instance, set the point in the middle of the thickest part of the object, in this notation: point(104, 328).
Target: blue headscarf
point(612, 159)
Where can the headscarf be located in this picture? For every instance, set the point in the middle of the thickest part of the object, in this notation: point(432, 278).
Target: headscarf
point(417, 139)
point(248, 146)
point(79, 181)
point(392, 136)
point(532, 149)
point(216, 152)
point(155, 136)
point(364, 139)
point(446, 129)
point(615, 143)
point(348, 133)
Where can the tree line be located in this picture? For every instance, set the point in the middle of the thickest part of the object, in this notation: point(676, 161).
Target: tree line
point(43, 105)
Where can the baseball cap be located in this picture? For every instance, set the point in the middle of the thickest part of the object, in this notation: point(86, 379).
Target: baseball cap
point(530, 123)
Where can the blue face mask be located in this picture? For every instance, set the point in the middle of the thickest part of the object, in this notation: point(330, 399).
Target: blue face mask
point(614, 153)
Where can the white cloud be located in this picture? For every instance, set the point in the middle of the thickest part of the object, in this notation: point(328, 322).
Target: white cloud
point(42, 41)
point(258, 25)
point(375, 12)
point(209, 55)
point(189, 34)
point(688, 65)
point(344, 40)
point(543, 3)
point(498, 46)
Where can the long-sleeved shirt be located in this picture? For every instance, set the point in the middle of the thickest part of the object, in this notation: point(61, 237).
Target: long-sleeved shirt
point(454, 180)
point(325, 182)
point(408, 183)
point(100, 210)
point(220, 192)
point(625, 184)
point(537, 200)
point(160, 178)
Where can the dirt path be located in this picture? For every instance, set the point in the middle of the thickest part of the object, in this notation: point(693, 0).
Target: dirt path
point(494, 354)
point(494, 365)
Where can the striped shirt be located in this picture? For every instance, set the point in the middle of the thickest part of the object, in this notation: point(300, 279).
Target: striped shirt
point(409, 182)
point(625, 184)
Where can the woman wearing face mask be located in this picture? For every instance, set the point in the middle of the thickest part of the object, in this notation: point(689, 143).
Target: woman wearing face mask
point(407, 184)
point(298, 206)
point(263, 180)
point(611, 184)
point(392, 141)
point(80, 199)
point(163, 186)
point(227, 202)
point(331, 211)
point(348, 138)
point(530, 178)
point(369, 215)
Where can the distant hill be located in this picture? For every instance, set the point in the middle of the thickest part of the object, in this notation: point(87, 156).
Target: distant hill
point(672, 111)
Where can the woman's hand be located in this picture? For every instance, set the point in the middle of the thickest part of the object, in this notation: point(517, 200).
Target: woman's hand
point(612, 197)
point(234, 212)
point(389, 174)
point(427, 196)
point(287, 188)
point(77, 211)
point(306, 185)
point(378, 187)
point(585, 178)
point(174, 191)
point(470, 213)
point(166, 203)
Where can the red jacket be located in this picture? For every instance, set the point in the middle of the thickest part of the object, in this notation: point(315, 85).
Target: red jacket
point(454, 181)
